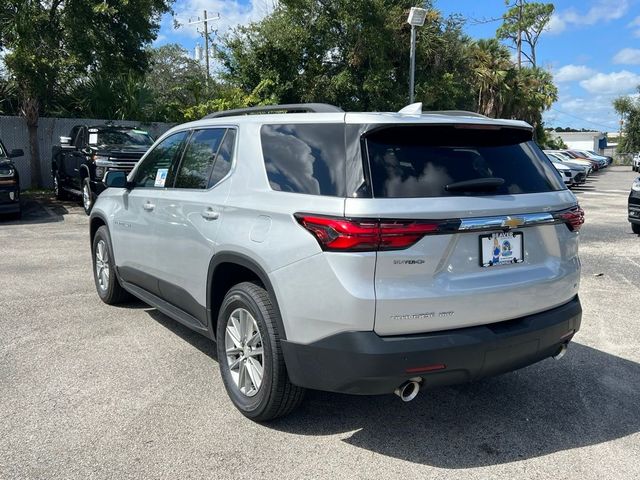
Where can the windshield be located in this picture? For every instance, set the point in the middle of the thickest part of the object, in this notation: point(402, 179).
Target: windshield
point(2, 154)
point(119, 136)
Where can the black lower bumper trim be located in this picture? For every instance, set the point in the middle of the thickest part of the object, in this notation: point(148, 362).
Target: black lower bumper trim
point(365, 363)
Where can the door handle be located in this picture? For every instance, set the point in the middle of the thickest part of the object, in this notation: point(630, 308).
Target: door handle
point(210, 214)
point(148, 206)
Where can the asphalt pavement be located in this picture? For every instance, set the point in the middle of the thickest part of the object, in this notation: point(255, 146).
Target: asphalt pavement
point(92, 391)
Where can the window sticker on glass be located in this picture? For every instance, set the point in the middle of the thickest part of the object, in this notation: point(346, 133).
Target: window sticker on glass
point(161, 177)
point(93, 138)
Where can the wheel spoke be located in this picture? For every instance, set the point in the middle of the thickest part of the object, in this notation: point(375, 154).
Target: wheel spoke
point(234, 351)
point(235, 363)
point(255, 339)
point(232, 333)
point(256, 352)
point(255, 372)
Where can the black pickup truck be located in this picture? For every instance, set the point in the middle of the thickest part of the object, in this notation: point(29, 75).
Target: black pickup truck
point(79, 163)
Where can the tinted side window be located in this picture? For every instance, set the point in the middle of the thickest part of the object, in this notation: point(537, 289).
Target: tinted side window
point(224, 158)
point(305, 158)
point(199, 158)
point(409, 162)
point(158, 168)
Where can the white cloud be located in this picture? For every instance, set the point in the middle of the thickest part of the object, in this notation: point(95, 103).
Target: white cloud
point(635, 24)
point(573, 73)
point(593, 112)
point(232, 13)
point(601, 11)
point(627, 56)
point(556, 24)
point(614, 83)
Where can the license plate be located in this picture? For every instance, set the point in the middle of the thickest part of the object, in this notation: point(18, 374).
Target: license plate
point(502, 248)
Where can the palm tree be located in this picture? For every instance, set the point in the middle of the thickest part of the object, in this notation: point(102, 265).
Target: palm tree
point(491, 67)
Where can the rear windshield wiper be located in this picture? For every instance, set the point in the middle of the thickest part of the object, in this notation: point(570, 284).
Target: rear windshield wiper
point(476, 185)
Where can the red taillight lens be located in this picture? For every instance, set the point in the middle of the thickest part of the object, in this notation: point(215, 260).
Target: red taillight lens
point(397, 235)
point(574, 218)
point(341, 234)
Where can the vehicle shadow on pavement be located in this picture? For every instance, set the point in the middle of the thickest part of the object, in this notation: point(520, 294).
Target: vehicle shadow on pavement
point(587, 398)
point(202, 343)
point(41, 209)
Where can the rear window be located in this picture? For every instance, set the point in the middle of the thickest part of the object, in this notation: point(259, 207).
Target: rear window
point(305, 158)
point(420, 161)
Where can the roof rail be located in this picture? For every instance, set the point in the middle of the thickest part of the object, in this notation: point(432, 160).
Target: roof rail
point(455, 113)
point(288, 108)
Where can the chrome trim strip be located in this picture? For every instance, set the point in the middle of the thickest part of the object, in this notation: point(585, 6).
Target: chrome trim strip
point(507, 222)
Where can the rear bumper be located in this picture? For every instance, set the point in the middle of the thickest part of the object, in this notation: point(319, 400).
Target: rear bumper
point(366, 364)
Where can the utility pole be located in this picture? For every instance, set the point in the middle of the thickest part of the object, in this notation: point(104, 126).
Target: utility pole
point(205, 33)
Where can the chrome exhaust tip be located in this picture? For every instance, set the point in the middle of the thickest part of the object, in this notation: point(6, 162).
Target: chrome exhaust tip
point(561, 353)
point(408, 390)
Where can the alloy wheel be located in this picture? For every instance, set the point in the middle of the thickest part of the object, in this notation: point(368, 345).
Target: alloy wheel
point(245, 352)
point(102, 265)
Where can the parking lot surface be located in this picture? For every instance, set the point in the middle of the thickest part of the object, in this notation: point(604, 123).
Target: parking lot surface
point(91, 391)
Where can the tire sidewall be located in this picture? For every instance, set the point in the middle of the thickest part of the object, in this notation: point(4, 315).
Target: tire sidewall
point(249, 406)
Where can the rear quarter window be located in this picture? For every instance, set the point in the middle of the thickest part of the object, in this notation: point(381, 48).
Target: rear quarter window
point(420, 161)
point(305, 158)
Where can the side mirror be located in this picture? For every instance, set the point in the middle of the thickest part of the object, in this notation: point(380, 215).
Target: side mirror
point(16, 152)
point(115, 179)
point(65, 140)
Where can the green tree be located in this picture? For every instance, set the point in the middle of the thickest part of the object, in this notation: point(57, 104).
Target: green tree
point(532, 91)
point(523, 24)
point(352, 53)
point(49, 43)
point(629, 109)
point(176, 82)
point(491, 68)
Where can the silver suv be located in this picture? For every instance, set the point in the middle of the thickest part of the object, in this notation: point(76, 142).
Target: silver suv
point(363, 253)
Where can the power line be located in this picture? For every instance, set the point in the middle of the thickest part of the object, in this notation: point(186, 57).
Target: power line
point(602, 125)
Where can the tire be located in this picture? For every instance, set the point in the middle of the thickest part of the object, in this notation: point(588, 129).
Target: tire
point(107, 285)
point(88, 197)
point(635, 228)
point(274, 395)
point(57, 189)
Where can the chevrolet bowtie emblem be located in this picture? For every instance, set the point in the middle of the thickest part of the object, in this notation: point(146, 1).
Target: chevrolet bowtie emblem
point(513, 222)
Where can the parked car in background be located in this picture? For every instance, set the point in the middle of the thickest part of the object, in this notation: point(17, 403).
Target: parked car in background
point(595, 164)
point(565, 173)
point(558, 156)
point(79, 163)
point(634, 206)
point(446, 243)
point(604, 161)
point(601, 162)
point(606, 157)
point(9, 183)
point(635, 163)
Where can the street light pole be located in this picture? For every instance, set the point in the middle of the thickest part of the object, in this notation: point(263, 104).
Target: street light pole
point(412, 65)
point(416, 18)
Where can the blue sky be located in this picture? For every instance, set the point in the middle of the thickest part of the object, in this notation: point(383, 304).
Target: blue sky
point(592, 47)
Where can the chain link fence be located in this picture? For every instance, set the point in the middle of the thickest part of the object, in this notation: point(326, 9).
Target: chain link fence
point(14, 134)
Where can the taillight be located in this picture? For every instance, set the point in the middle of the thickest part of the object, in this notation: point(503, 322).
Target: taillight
point(359, 235)
point(574, 218)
